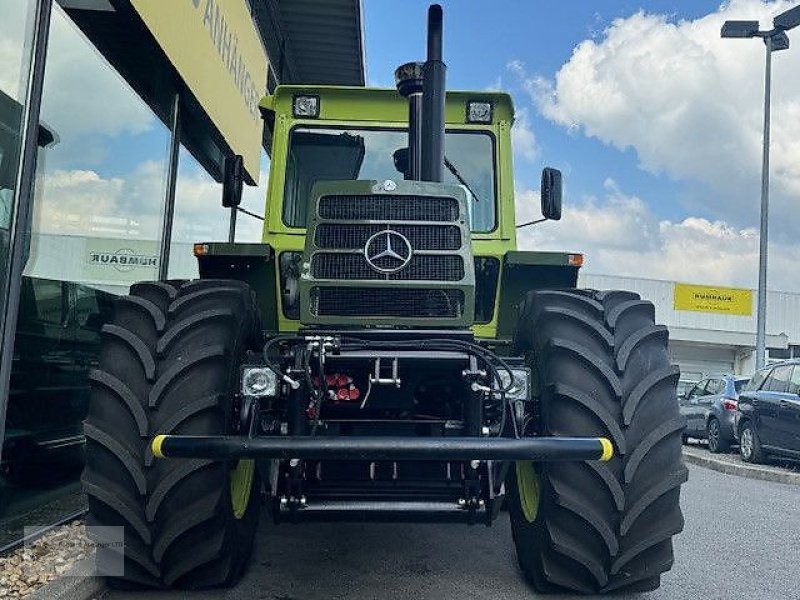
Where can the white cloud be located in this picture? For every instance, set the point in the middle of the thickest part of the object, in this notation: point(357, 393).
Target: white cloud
point(523, 140)
point(496, 85)
point(82, 93)
point(68, 199)
point(620, 235)
point(688, 102)
point(83, 202)
point(199, 214)
point(12, 47)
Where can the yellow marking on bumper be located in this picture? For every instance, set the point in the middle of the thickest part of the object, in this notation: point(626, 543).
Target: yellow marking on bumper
point(608, 450)
point(156, 445)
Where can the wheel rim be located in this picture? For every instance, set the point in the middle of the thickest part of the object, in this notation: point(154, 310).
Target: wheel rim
point(528, 487)
point(746, 443)
point(713, 435)
point(241, 486)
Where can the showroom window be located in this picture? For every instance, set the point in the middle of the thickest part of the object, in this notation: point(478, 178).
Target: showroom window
point(16, 24)
point(100, 194)
point(96, 227)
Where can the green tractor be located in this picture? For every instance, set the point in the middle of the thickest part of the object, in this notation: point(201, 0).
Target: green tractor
point(387, 354)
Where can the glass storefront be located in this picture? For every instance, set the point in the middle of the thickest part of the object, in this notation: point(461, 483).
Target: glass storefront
point(16, 40)
point(96, 227)
point(100, 195)
point(15, 56)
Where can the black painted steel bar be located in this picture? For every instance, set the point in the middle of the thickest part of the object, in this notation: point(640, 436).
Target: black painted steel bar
point(433, 101)
point(383, 448)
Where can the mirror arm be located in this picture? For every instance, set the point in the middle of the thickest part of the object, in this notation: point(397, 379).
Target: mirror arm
point(250, 214)
point(534, 222)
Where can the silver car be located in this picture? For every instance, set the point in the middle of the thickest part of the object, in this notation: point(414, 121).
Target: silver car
point(710, 410)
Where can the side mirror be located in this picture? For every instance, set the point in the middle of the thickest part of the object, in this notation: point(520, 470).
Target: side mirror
point(551, 194)
point(233, 181)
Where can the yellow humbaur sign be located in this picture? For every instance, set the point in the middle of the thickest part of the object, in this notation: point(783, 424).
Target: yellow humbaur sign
point(216, 48)
point(702, 298)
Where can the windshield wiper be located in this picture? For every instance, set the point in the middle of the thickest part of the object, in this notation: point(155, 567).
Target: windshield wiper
point(452, 168)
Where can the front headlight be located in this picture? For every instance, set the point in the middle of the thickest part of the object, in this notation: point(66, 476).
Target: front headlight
point(259, 381)
point(520, 388)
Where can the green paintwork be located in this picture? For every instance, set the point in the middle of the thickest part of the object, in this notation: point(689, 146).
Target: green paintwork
point(400, 188)
point(528, 489)
point(531, 258)
point(525, 271)
point(252, 263)
point(241, 482)
point(385, 108)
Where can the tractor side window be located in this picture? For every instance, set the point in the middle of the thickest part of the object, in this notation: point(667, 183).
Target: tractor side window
point(317, 154)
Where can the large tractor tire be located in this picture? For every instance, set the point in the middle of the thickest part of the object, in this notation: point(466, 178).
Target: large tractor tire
point(169, 363)
point(601, 368)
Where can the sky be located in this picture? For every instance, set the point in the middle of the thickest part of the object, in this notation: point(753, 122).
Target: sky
point(654, 120)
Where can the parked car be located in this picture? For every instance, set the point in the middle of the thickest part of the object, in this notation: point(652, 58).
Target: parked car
point(709, 408)
point(768, 413)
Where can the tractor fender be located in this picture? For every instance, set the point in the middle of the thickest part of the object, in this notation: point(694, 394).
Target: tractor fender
point(524, 271)
point(253, 263)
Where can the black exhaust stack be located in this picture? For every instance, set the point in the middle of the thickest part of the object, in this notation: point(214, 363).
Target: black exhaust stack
point(408, 78)
point(424, 86)
point(433, 101)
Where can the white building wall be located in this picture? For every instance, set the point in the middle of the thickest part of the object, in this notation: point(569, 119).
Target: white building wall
point(703, 342)
point(783, 308)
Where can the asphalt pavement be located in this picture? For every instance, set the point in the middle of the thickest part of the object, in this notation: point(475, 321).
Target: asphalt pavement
point(740, 542)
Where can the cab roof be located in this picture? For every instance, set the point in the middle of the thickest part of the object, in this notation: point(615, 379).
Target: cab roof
point(381, 104)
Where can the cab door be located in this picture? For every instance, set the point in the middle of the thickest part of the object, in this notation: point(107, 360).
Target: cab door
point(789, 410)
point(772, 407)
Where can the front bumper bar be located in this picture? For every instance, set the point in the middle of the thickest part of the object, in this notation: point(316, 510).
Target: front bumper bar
point(540, 449)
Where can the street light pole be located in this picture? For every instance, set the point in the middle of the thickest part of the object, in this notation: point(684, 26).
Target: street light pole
point(761, 318)
point(774, 39)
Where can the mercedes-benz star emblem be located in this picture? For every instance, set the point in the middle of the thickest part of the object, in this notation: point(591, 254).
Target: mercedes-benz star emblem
point(388, 251)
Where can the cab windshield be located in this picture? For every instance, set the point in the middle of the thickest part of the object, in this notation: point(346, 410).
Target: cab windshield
point(317, 154)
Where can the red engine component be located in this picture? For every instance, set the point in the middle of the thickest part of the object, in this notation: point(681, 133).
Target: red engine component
point(341, 387)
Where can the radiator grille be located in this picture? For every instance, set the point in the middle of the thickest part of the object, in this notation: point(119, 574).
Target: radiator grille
point(354, 237)
point(380, 207)
point(423, 267)
point(393, 259)
point(387, 302)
